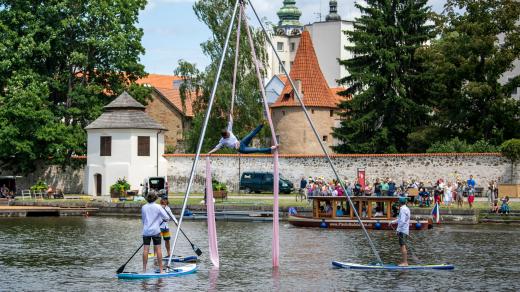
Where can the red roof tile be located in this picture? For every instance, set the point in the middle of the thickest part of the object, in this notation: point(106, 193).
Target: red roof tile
point(314, 87)
point(158, 80)
point(339, 98)
point(173, 96)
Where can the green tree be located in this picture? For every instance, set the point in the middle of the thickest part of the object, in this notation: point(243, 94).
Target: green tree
point(384, 81)
point(61, 61)
point(480, 41)
point(248, 107)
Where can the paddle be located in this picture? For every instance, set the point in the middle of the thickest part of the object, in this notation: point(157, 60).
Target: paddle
point(195, 248)
point(122, 268)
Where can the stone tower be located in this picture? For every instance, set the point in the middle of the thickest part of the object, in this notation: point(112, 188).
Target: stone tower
point(296, 136)
point(333, 11)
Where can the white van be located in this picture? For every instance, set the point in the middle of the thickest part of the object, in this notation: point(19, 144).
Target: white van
point(155, 183)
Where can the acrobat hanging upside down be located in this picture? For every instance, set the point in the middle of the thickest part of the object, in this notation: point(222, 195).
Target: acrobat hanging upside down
point(230, 140)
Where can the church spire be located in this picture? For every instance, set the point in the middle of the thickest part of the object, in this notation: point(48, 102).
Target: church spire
point(289, 18)
point(333, 12)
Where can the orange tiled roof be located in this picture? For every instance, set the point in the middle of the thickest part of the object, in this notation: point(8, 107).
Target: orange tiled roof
point(158, 80)
point(163, 84)
point(339, 98)
point(173, 95)
point(314, 87)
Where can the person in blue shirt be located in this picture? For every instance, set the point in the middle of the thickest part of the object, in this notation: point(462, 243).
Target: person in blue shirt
point(471, 182)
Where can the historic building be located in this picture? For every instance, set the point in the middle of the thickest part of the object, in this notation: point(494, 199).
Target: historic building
point(165, 106)
point(293, 130)
point(124, 142)
point(327, 36)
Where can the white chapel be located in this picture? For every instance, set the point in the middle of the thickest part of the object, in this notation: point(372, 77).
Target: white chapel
point(124, 142)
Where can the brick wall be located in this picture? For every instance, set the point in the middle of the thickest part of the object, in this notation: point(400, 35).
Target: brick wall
point(164, 113)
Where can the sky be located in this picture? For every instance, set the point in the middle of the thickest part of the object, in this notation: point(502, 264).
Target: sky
point(173, 32)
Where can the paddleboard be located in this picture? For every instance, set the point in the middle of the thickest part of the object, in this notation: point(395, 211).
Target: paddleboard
point(177, 259)
point(391, 266)
point(179, 271)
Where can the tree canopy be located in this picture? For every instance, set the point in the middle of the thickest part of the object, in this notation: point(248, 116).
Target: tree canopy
point(248, 108)
point(61, 61)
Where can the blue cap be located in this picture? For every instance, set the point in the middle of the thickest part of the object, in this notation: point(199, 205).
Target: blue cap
point(403, 200)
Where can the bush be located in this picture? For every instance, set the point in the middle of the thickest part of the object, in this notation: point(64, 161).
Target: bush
point(511, 149)
point(218, 186)
point(456, 145)
point(39, 186)
point(120, 187)
point(169, 149)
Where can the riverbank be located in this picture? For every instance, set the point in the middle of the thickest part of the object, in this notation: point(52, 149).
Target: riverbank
point(259, 208)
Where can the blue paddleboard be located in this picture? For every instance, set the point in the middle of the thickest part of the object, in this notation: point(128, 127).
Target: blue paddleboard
point(391, 266)
point(179, 271)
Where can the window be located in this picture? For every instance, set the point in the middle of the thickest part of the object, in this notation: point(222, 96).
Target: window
point(293, 47)
point(105, 146)
point(280, 69)
point(325, 138)
point(312, 111)
point(143, 146)
point(279, 46)
point(515, 91)
point(283, 113)
point(331, 113)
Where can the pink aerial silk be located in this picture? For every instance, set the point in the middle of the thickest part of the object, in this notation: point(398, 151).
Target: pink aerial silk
point(210, 209)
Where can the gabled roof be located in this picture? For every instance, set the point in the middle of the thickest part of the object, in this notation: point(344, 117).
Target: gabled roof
point(125, 113)
point(173, 96)
point(315, 91)
point(164, 85)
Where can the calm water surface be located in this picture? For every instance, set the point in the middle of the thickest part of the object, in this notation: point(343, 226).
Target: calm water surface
point(80, 254)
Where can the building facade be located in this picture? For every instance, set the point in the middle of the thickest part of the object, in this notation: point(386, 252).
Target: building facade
point(294, 132)
point(124, 142)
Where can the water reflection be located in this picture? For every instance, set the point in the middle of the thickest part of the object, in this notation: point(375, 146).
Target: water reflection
point(79, 254)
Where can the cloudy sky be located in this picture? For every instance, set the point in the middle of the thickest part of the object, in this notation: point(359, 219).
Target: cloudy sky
point(172, 31)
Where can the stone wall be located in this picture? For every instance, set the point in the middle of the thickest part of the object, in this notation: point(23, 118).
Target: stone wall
point(422, 167)
point(69, 179)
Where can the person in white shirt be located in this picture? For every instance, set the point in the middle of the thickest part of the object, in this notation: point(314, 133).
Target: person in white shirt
point(152, 216)
point(230, 140)
point(403, 228)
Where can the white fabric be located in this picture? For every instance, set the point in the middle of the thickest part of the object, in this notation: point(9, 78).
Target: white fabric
point(152, 215)
point(229, 142)
point(164, 225)
point(403, 220)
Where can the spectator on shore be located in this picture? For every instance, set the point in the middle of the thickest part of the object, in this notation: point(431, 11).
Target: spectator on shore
point(494, 208)
point(471, 196)
point(303, 183)
point(492, 191)
point(377, 187)
point(391, 187)
point(385, 187)
point(339, 190)
point(471, 182)
point(504, 209)
point(424, 198)
point(357, 188)
point(447, 194)
point(339, 212)
point(460, 194)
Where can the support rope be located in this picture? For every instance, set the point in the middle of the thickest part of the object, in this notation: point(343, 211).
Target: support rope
point(297, 94)
point(235, 69)
point(276, 176)
point(204, 127)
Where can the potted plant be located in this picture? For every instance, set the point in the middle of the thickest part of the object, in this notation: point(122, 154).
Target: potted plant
point(39, 188)
point(219, 190)
point(119, 188)
point(511, 150)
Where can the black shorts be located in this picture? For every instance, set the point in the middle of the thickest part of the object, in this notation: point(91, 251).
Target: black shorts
point(403, 238)
point(155, 238)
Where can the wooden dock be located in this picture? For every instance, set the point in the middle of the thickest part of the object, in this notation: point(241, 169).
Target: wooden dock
point(36, 211)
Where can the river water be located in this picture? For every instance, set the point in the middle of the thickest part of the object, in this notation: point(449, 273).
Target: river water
point(80, 254)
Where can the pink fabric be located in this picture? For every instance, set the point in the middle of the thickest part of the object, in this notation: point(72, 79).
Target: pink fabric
point(210, 209)
point(275, 240)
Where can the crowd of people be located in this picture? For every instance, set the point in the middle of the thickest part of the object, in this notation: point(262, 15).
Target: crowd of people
point(443, 192)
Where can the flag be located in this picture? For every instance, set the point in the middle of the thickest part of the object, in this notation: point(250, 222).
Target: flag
point(436, 214)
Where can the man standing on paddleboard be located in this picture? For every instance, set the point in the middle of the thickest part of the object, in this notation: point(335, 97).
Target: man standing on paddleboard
point(403, 229)
point(152, 215)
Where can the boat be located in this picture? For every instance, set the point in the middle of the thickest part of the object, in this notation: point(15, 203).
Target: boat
point(375, 213)
point(353, 266)
point(177, 259)
point(179, 271)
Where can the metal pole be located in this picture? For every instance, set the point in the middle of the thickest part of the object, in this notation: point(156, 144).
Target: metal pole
point(297, 94)
point(204, 126)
